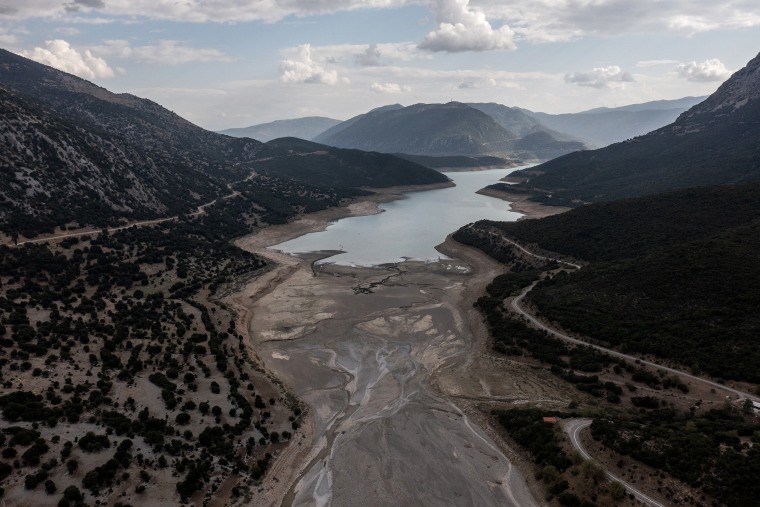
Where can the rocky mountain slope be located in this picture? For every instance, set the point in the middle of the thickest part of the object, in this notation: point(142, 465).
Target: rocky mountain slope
point(713, 143)
point(75, 154)
point(303, 128)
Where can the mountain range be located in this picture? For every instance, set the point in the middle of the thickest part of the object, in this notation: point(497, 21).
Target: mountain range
point(604, 126)
point(451, 129)
point(302, 128)
point(713, 143)
point(539, 135)
point(75, 154)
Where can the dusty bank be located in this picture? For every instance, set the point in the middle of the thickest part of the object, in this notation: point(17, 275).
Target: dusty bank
point(386, 358)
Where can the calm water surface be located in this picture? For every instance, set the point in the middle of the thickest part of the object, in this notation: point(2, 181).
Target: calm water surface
point(409, 228)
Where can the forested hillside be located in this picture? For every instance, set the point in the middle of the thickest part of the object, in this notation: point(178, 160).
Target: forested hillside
point(671, 275)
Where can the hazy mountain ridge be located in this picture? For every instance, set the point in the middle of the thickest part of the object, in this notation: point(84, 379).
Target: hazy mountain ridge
point(332, 131)
point(424, 129)
point(303, 128)
point(604, 126)
point(713, 143)
point(524, 134)
point(517, 121)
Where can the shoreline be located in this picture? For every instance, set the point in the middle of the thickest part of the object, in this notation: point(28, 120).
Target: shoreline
point(478, 168)
point(291, 466)
point(521, 203)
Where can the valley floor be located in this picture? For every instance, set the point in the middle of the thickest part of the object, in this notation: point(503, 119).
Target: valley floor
point(392, 363)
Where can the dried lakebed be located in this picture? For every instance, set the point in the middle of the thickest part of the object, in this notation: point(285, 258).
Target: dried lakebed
point(375, 353)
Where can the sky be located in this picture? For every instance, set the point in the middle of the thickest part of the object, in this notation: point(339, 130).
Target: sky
point(235, 63)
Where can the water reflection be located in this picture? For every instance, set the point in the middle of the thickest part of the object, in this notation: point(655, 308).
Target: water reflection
point(408, 228)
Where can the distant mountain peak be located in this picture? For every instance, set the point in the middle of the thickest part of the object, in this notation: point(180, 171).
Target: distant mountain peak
point(741, 89)
point(713, 143)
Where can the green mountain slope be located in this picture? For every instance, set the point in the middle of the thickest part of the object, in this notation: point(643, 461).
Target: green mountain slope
point(424, 129)
point(674, 275)
point(318, 164)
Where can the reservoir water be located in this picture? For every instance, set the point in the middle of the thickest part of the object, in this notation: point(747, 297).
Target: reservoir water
point(408, 228)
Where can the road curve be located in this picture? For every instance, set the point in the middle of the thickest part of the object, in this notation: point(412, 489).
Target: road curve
point(573, 428)
point(536, 322)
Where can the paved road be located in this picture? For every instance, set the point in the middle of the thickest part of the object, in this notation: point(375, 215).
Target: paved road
point(573, 428)
point(516, 305)
point(82, 232)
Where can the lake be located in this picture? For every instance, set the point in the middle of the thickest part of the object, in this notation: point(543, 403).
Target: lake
point(408, 228)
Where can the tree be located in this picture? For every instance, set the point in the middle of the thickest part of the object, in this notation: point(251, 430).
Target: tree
point(617, 491)
point(50, 487)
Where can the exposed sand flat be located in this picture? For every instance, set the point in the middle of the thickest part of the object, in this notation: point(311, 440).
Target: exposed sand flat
point(521, 204)
point(381, 432)
point(372, 368)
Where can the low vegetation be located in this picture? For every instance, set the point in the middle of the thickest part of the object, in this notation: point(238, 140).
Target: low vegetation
point(123, 368)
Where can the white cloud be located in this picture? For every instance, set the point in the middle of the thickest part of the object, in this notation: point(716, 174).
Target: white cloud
point(59, 54)
point(389, 88)
point(301, 68)
point(709, 70)
point(600, 77)
point(166, 52)
point(462, 28)
point(370, 57)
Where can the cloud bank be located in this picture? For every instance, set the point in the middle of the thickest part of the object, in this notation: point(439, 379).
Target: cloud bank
point(389, 88)
point(463, 25)
point(166, 52)
point(59, 54)
point(301, 68)
point(707, 71)
point(461, 28)
point(600, 77)
point(370, 57)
